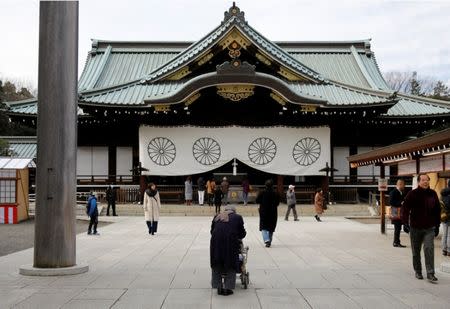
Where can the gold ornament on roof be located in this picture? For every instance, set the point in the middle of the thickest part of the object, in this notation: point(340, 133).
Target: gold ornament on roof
point(235, 93)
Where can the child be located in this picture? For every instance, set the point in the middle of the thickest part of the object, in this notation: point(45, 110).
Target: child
point(218, 195)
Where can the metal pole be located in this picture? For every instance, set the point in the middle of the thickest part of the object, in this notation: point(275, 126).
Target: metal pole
point(382, 206)
point(54, 242)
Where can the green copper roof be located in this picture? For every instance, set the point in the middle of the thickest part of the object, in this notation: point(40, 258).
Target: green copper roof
point(29, 107)
point(22, 146)
point(413, 106)
point(136, 93)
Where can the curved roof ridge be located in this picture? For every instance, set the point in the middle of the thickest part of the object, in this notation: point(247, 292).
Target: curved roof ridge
point(378, 92)
point(379, 71)
point(109, 88)
point(363, 68)
point(441, 103)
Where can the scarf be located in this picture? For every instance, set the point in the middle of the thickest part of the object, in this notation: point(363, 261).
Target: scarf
point(223, 216)
point(151, 192)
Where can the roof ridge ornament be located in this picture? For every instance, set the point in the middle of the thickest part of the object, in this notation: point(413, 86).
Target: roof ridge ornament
point(234, 11)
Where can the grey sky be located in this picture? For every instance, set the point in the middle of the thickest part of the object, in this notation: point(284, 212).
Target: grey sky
point(406, 35)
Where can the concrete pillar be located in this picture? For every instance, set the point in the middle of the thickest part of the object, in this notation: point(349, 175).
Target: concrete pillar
point(55, 233)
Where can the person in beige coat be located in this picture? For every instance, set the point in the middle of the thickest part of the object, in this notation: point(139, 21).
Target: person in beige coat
point(318, 204)
point(152, 205)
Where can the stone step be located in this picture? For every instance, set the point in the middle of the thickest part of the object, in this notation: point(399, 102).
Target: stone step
point(248, 211)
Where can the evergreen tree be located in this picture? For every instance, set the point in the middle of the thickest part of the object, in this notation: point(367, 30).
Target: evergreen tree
point(415, 86)
point(441, 91)
point(8, 93)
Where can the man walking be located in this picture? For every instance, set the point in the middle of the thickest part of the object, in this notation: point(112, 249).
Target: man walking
point(291, 201)
point(421, 218)
point(396, 198)
point(111, 199)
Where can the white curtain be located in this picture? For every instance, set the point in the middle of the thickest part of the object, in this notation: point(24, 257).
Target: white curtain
point(189, 150)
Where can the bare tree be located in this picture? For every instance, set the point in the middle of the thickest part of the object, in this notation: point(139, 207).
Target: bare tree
point(410, 82)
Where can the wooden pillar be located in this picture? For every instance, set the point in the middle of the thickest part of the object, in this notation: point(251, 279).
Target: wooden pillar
point(280, 184)
point(382, 206)
point(55, 230)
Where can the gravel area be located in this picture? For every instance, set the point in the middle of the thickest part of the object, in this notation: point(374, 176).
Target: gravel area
point(17, 237)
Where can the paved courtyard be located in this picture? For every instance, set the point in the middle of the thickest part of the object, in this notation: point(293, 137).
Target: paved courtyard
point(335, 264)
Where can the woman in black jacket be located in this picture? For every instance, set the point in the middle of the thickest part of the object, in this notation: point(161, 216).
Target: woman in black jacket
point(268, 201)
point(227, 231)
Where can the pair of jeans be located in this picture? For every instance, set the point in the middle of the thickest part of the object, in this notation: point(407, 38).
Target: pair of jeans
point(397, 229)
point(152, 227)
point(201, 197)
point(267, 236)
point(445, 242)
point(294, 211)
point(229, 278)
point(423, 237)
point(225, 199)
point(93, 223)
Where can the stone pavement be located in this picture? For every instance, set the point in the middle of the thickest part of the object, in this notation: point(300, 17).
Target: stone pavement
point(334, 264)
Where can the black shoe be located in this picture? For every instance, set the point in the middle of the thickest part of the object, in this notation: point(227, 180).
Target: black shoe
point(268, 244)
point(115, 215)
point(419, 276)
point(220, 291)
point(89, 233)
point(227, 292)
point(286, 219)
point(431, 278)
point(107, 215)
point(317, 218)
point(296, 220)
point(445, 253)
point(399, 245)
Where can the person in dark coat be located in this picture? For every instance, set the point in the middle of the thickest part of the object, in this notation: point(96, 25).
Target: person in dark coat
point(396, 198)
point(445, 219)
point(218, 196)
point(268, 201)
point(227, 231)
point(421, 217)
point(111, 199)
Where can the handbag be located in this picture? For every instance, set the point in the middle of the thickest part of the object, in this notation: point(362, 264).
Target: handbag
point(397, 216)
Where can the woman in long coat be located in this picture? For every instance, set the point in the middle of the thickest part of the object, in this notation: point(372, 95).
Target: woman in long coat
point(152, 205)
point(268, 201)
point(227, 230)
point(318, 204)
point(188, 190)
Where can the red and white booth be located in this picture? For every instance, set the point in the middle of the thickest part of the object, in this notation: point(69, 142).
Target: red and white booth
point(13, 190)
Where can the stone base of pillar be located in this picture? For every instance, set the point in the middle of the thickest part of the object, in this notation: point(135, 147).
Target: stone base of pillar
point(29, 270)
point(445, 267)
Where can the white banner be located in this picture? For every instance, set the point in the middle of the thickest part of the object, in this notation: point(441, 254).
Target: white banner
point(186, 150)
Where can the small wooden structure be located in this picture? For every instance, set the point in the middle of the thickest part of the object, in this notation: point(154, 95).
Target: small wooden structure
point(428, 154)
point(14, 187)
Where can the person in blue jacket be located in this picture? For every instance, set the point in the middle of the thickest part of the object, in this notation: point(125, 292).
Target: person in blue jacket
point(92, 212)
